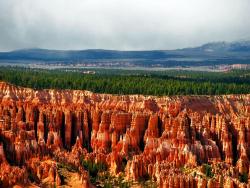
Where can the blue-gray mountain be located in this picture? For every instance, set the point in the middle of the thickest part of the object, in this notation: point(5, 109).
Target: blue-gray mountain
point(208, 54)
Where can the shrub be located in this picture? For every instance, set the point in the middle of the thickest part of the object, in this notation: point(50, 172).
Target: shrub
point(208, 171)
point(243, 177)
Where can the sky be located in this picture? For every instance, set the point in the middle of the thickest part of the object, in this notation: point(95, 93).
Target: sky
point(121, 24)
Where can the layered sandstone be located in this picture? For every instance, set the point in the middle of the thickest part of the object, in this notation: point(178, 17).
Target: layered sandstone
point(168, 139)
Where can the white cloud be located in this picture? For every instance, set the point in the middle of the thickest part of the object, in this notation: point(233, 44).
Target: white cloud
point(121, 24)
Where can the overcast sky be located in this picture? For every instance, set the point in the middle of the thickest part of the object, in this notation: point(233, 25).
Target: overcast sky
point(121, 24)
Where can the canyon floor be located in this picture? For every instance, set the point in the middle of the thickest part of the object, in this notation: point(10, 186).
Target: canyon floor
point(75, 138)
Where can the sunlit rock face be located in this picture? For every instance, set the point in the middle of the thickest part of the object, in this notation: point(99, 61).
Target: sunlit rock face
point(168, 139)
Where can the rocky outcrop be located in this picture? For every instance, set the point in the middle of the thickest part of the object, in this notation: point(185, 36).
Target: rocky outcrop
point(182, 141)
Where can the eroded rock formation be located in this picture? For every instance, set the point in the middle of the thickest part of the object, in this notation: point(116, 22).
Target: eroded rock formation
point(184, 141)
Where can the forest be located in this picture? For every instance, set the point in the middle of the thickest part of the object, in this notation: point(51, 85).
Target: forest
point(174, 82)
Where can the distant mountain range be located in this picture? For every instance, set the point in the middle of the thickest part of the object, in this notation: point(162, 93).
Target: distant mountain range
point(243, 46)
point(207, 54)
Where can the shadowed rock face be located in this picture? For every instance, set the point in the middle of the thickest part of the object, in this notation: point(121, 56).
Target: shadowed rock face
point(167, 138)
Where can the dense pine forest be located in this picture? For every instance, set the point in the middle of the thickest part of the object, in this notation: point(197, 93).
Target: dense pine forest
point(158, 83)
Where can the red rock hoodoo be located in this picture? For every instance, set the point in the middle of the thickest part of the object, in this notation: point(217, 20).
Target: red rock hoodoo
point(182, 141)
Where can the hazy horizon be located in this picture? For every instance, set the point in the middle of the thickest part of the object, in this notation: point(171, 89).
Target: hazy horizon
point(121, 25)
point(32, 48)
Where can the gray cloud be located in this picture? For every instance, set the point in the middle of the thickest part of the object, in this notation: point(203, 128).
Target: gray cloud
point(121, 24)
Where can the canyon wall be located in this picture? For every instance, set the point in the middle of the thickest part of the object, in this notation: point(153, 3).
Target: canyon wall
point(179, 141)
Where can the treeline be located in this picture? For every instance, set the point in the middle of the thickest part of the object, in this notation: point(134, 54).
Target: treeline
point(172, 83)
